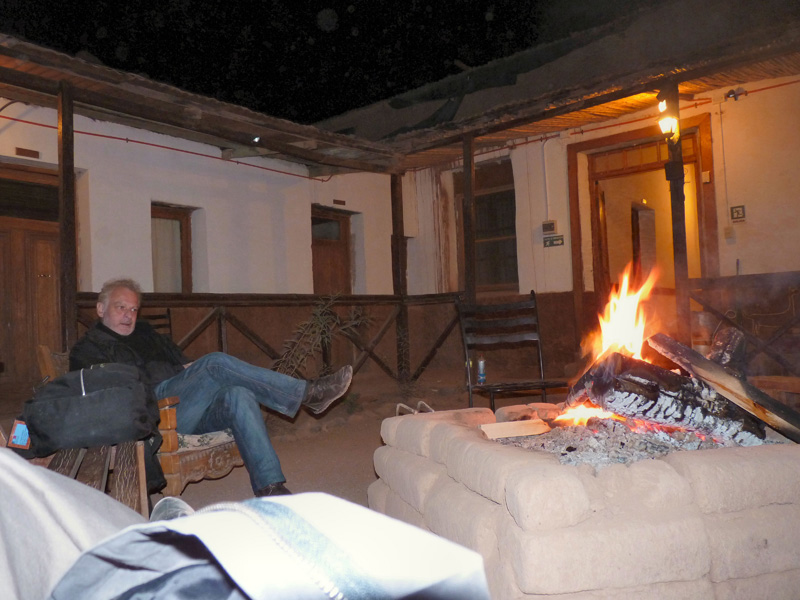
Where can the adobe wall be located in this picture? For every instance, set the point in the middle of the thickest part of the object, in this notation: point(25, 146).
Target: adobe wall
point(693, 525)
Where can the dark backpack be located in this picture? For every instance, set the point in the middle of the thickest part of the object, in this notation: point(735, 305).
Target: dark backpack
point(102, 405)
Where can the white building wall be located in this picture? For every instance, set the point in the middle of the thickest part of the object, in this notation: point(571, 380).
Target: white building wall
point(252, 227)
point(756, 150)
point(369, 197)
point(756, 157)
point(251, 231)
point(541, 187)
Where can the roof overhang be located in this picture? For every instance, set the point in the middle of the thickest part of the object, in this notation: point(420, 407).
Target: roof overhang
point(33, 74)
point(596, 76)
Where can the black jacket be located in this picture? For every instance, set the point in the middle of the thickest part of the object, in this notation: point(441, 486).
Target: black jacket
point(100, 346)
point(164, 360)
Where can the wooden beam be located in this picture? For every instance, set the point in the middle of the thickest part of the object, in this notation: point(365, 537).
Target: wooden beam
point(468, 209)
point(400, 279)
point(66, 213)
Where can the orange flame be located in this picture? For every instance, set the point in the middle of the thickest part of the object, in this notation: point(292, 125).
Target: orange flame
point(580, 414)
point(622, 325)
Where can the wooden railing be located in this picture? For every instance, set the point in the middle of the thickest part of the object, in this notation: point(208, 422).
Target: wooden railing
point(217, 313)
point(764, 307)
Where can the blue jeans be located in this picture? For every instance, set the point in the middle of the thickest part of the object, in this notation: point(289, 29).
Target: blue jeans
point(219, 391)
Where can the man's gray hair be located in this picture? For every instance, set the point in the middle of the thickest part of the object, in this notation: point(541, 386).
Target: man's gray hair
point(112, 284)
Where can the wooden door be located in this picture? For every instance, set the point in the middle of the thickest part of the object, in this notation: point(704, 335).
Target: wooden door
point(29, 305)
point(330, 250)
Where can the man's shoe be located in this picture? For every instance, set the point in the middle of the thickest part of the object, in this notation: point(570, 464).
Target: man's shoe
point(273, 489)
point(322, 392)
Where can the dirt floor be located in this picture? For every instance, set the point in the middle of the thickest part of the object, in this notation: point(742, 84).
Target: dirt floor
point(333, 453)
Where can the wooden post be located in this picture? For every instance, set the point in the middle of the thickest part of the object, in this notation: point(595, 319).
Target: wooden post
point(674, 173)
point(470, 255)
point(400, 279)
point(66, 217)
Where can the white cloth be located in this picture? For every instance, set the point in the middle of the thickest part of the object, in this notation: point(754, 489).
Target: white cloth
point(46, 521)
point(302, 547)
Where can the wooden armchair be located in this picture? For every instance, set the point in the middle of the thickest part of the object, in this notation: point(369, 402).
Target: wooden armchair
point(184, 458)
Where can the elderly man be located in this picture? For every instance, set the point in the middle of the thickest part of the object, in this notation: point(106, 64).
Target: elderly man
point(216, 391)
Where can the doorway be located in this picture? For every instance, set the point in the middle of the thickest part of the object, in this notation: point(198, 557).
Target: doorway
point(617, 184)
point(632, 221)
point(30, 283)
point(330, 251)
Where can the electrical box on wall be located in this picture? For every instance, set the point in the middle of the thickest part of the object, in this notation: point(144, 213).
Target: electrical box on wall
point(549, 228)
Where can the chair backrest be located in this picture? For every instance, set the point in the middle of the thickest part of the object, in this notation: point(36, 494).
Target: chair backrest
point(497, 326)
point(160, 319)
point(51, 364)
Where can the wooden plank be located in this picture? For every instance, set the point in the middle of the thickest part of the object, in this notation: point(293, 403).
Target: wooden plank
point(127, 481)
point(776, 383)
point(507, 429)
point(778, 416)
point(93, 470)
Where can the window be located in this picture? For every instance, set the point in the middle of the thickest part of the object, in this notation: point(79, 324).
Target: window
point(495, 239)
point(172, 248)
point(495, 225)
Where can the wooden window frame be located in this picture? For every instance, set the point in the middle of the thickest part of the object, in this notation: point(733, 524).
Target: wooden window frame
point(487, 182)
point(184, 217)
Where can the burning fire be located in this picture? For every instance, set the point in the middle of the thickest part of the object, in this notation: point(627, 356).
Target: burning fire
point(622, 329)
point(622, 326)
point(579, 415)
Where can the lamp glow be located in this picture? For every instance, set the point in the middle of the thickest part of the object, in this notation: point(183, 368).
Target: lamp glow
point(668, 125)
point(668, 122)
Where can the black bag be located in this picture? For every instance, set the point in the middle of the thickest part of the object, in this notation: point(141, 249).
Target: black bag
point(105, 404)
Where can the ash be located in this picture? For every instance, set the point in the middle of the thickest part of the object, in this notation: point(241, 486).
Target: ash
point(602, 442)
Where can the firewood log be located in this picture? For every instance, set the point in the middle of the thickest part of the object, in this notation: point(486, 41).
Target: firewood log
point(783, 418)
point(636, 389)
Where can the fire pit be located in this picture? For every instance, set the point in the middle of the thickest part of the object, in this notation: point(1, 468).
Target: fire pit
point(713, 516)
point(698, 524)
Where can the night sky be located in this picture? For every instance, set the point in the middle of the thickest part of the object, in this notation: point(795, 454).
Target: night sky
point(302, 60)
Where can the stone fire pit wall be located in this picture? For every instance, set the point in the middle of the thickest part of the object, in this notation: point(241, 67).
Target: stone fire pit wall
point(704, 524)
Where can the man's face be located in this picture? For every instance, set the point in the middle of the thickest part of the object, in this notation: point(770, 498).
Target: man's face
point(119, 315)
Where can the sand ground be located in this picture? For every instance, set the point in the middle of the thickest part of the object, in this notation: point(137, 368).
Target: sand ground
point(333, 453)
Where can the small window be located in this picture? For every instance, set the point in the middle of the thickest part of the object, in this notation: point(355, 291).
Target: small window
point(325, 229)
point(495, 226)
point(172, 248)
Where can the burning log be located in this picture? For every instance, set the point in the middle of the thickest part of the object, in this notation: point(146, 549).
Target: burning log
point(779, 416)
point(636, 389)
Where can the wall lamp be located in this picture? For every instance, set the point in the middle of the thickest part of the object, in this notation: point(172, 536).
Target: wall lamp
point(668, 107)
point(735, 93)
